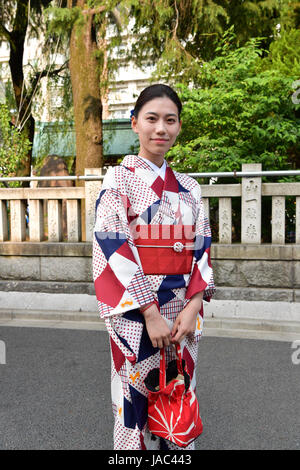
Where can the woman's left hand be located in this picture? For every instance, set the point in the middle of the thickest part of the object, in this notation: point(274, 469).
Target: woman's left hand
point(185, 323)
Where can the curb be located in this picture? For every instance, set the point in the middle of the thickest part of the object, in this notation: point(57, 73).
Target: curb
point(75, 316)
point(222, 327)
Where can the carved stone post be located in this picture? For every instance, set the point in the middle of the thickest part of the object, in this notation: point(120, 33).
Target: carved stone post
point(17, 220)
point(3, 222)
point(251, 205)
point(92, 189)
point(225, 220)
point(278, 219)
point(54, 220)
point(36, 220)
point(73, 220)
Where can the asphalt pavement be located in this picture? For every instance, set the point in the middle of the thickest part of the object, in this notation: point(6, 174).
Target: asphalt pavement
point(55, 391)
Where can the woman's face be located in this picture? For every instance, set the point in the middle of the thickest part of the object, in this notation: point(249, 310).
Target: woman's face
point(157, 126)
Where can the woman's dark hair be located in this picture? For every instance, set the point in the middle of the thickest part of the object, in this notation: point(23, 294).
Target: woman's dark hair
point(156, 91)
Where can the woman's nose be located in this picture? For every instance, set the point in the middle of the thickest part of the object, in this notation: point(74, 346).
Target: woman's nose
point(160, 127)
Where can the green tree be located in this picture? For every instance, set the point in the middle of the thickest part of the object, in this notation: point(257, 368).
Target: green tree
point(238, 114)
point(83, 26)
point(14, 145)
point(20, 20)
point(178, 35)
point(284, 54)
point(289, 14)
point(174, 35)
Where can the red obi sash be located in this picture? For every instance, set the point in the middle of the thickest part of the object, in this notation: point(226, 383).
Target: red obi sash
point(165, 249)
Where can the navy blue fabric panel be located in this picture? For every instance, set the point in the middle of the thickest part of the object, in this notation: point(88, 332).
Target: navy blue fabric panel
point(165, 296)
point(109, 242)
point(148, 215)
point(140, 406)
point(172, 282)
point(181, 188)
point(146, 349)
point(99, 198)
point(134, 315)
point(129, 414)
point(201, 244)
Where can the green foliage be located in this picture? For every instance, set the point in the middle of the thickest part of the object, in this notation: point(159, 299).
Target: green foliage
point(289, 14)
point(7, 88)
point(61, 20)
point(238, 114)
point(14, 145)
point(285, 54)
point(178, 35)
point(175, 33)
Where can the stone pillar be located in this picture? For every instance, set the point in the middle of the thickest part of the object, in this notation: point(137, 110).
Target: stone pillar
point(54, 220)
point(278, 219)
point(92, 189)
point(225, 220)
point(17, 220)
point(36, 220)
point(206, 206)
point(251, 205)
point(3, 222)
point(73, 220)
point(298, 220)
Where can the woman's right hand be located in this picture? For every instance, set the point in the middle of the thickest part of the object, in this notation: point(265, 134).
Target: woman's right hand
point(158, 330)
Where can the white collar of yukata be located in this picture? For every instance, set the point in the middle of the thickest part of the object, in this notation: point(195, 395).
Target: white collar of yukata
point(161, 171)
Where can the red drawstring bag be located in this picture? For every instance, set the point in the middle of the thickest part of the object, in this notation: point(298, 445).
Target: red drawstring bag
point(173, 409)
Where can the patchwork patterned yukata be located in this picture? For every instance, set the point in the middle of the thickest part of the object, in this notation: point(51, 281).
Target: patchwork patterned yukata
point(134, 196)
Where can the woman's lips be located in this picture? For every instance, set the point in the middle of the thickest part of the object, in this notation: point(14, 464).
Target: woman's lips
point(160, 140)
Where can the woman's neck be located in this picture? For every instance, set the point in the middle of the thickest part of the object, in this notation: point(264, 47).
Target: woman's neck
point(157, 160)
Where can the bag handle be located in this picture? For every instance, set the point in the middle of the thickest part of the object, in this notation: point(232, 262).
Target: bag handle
point(162, 365)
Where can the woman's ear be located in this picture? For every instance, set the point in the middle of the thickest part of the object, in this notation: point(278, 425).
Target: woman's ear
point(134, 124)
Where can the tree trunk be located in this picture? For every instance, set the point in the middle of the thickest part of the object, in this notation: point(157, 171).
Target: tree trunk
point(85, 78)
point(17, 40)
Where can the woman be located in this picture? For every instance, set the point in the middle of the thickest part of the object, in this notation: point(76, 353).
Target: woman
point(151, 264)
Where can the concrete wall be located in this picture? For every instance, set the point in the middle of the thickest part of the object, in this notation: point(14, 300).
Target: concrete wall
point(242, 272)
point(257, 272)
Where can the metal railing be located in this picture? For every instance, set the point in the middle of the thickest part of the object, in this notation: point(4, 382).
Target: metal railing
point(229, 174)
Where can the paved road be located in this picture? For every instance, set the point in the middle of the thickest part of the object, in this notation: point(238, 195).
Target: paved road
point(55, 392)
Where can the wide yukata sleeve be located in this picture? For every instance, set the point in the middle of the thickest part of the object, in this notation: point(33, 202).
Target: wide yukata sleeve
point(202, 273)
point(119, 281)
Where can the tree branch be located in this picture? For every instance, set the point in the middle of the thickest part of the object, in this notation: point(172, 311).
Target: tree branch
point(44, 73)
point(174, 35)
point(177, 21)
point(56, 71)
point(49, 73)
point(93, 11)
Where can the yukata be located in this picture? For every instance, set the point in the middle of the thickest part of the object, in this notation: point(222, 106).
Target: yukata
point(132, 195)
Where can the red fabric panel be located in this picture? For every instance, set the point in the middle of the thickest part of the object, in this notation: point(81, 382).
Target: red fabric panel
point(108, 288)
